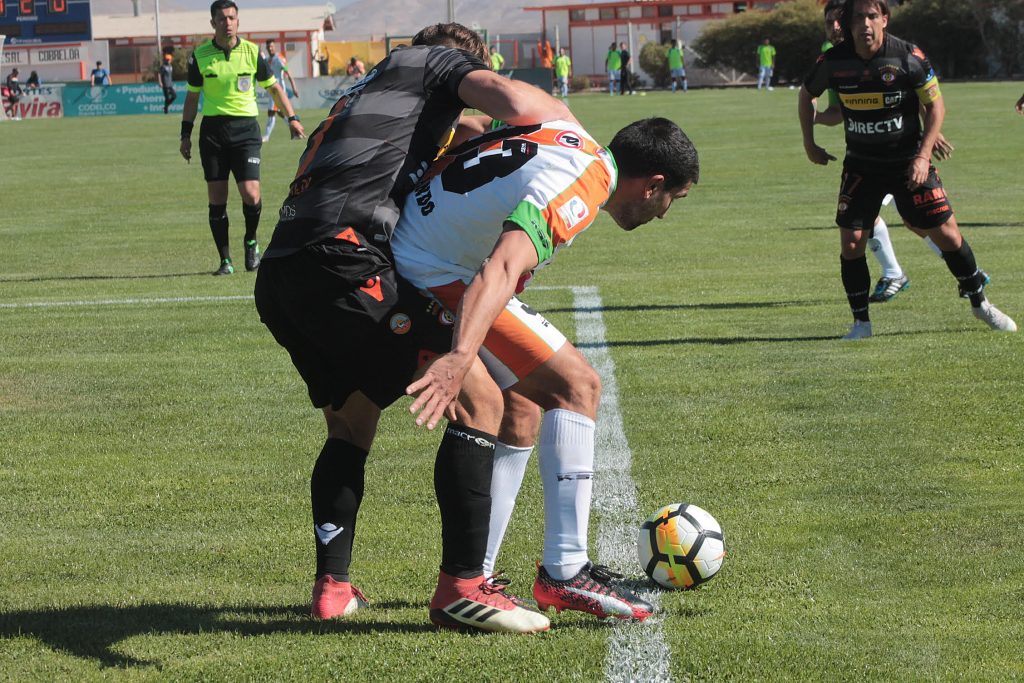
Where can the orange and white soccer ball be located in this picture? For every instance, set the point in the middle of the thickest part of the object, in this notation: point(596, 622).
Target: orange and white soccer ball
point(681, 546)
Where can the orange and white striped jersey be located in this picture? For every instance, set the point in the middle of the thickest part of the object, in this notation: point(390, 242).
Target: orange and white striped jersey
point(549, 179)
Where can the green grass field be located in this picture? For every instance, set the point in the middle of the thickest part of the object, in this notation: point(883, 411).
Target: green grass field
point(156, 444)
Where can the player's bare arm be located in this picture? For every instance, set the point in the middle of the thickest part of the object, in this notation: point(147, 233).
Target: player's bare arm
point(511, 101)
point(805, 111)
point(188, 119)
point(277, 92)
point(934, 114)
point(488, 293)
point(943, 148)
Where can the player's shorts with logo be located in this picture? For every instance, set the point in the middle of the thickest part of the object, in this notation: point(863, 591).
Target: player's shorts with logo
point(864, 186)
point(230, 145)
point(519, 341)
point(349, 322)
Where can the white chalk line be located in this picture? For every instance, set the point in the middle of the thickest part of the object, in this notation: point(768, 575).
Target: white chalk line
point(636, 652)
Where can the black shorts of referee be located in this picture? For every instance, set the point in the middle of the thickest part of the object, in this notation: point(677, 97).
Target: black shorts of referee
point(349, 322)
point(230, 145)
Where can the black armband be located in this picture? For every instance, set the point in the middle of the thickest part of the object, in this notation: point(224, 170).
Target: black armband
point(186, 129)
point(293, 117)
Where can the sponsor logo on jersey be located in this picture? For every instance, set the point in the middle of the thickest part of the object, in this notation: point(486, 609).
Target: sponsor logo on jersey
point(569, 139)
point(400, 323)
point(862, 101)
point(287, 212)
point(893, 99)
point(574, 211)
point(885, 127)
point(937, 194)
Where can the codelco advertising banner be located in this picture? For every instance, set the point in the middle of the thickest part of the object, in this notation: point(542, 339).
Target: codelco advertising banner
point(114, 100)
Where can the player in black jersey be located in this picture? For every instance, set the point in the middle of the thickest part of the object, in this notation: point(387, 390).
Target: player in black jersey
point(357, 333)
point(881, 82)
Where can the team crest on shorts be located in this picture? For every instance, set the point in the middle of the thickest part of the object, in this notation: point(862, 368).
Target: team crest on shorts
point(400, 323)
point(446, 317)
point(844, 203)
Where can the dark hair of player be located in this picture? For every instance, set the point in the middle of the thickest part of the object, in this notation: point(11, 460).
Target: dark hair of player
point(452, 35)
point(221, 4)
point(656, 146)
point(833, 5)
point(844, 21)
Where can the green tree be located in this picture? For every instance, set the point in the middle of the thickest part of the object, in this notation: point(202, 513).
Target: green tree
point(654, 60)
point(795, 28)
point(946, 30)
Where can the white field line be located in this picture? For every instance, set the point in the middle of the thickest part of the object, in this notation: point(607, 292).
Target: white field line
point(127, 302)
point(636, 652)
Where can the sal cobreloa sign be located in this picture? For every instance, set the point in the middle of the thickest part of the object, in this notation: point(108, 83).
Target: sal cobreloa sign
point(40, 56)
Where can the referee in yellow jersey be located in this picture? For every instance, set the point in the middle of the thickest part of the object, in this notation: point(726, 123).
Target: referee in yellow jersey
point(224, 70)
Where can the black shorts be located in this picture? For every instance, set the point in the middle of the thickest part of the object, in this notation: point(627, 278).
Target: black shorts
point(864, 186)
point(349, 322)
point(230, 144)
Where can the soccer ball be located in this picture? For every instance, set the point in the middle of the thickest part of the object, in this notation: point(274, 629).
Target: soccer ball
point(681, 546)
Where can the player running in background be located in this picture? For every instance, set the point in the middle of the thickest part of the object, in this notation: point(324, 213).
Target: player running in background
point(223, 70)
point(279, 67)
point(504, 204)
point(166, 76)
point(357, 333)
point(881, 82)
point(893, 280)
point(675, 66)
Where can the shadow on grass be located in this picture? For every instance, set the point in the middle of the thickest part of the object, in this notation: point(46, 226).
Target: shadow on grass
point(896, 223)
point(736, 305)
point(70, 278)
point(93, 631)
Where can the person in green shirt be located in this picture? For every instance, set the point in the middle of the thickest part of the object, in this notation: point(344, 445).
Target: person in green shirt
point(223, 70)
point(675, 65)
point(613, 64)
point(563, 70)
point(497, 61)
point(765, 63)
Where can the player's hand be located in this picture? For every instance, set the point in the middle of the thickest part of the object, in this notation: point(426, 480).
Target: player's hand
point(818, 155)
point(943, 149)
point(918, 172)
point(186, 149)
point(438, 389)
point(298, 132)
point(1020, 105)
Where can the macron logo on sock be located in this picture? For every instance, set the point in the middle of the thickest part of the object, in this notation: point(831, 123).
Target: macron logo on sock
point(327, 531)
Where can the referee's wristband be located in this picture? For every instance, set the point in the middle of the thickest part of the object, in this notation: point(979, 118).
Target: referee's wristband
point(293, 117)
point(186, 129)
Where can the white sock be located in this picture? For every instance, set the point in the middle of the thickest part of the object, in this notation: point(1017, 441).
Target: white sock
point(509, 468)
point(566, 455)
point(881, 247)
point(270, 126)
point(934, 247)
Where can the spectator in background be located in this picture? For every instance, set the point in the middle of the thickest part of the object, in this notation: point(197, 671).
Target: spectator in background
point(675, 65)
point(765, 63)
point(32, 84)
point(625, 77)
point(323, 60)
point(545, 53)
point(563, 70)
point(99, 75)
point(355, 68)
point(166, 77)
point(13, 93)
point(613, 65)
point(497, 61)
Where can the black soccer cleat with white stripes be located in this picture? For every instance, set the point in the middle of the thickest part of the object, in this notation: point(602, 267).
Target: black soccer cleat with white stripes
point(480, 604)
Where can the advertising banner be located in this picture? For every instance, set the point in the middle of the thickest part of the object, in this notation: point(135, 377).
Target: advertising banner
point(114, 100)
point(44, 102)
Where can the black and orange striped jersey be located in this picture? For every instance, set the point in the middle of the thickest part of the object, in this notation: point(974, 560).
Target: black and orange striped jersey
point(376, 144)
point(879, 97)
